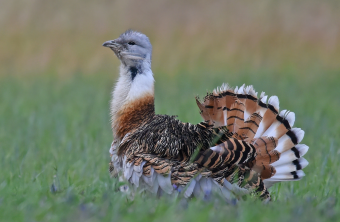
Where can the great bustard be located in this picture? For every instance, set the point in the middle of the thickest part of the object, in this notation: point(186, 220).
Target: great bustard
point(244, 145)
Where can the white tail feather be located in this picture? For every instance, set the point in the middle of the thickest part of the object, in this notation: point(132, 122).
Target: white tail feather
point(164, 182)
point(205, 184)
point(190, 189)
point(283, 113)
point(302, 148)
point(155, 185)
point(299, 133)
point(135, 178)
point(291, 166)
point(274, 101)
point(128, 172)
point(285, 142)
point(149, 180)
point(295, 175)
point(291, 155)
point(197, 191)
point(241, 90)
point(264, 98)
point(291, 118)
point(226, 192)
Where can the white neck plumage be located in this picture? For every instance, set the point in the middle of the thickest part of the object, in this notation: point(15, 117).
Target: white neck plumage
point(134, 84)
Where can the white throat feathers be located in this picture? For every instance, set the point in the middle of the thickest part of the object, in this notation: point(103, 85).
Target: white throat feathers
point(135, 83)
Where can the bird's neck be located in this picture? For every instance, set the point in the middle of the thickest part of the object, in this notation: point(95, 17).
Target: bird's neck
point(132, 99)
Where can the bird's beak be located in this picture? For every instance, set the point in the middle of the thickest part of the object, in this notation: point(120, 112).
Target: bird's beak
point(111, 44)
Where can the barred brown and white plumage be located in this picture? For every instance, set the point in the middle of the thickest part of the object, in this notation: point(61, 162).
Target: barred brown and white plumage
point(244, 145)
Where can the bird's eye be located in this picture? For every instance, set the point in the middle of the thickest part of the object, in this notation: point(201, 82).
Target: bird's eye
point(132, 43)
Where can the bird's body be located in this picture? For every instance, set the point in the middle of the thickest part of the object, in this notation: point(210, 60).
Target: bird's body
point(243, 146)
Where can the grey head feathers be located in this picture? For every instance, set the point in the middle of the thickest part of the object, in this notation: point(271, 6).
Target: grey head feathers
point(132, 48)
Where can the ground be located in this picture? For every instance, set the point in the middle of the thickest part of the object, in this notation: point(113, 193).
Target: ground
point(55, 136)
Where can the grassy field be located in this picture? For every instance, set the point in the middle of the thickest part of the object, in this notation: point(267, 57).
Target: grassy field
point(56, 133)
point(56, 79)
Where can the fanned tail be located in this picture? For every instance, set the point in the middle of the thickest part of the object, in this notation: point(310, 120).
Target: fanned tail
point(261, 124)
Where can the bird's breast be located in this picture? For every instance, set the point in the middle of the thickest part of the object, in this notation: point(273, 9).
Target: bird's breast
point(132, 114)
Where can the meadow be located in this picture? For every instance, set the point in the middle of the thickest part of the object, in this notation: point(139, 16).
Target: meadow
point(56, 80)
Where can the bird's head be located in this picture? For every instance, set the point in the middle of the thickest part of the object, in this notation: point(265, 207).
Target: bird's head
point(132, 48)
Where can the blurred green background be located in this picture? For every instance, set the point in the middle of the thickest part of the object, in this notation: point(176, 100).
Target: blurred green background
point(56, 79)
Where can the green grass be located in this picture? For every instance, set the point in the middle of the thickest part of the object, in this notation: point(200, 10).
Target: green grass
point(55, 92)
point(57, 131)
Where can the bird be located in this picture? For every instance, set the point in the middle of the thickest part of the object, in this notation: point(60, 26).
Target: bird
point(243, 146)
